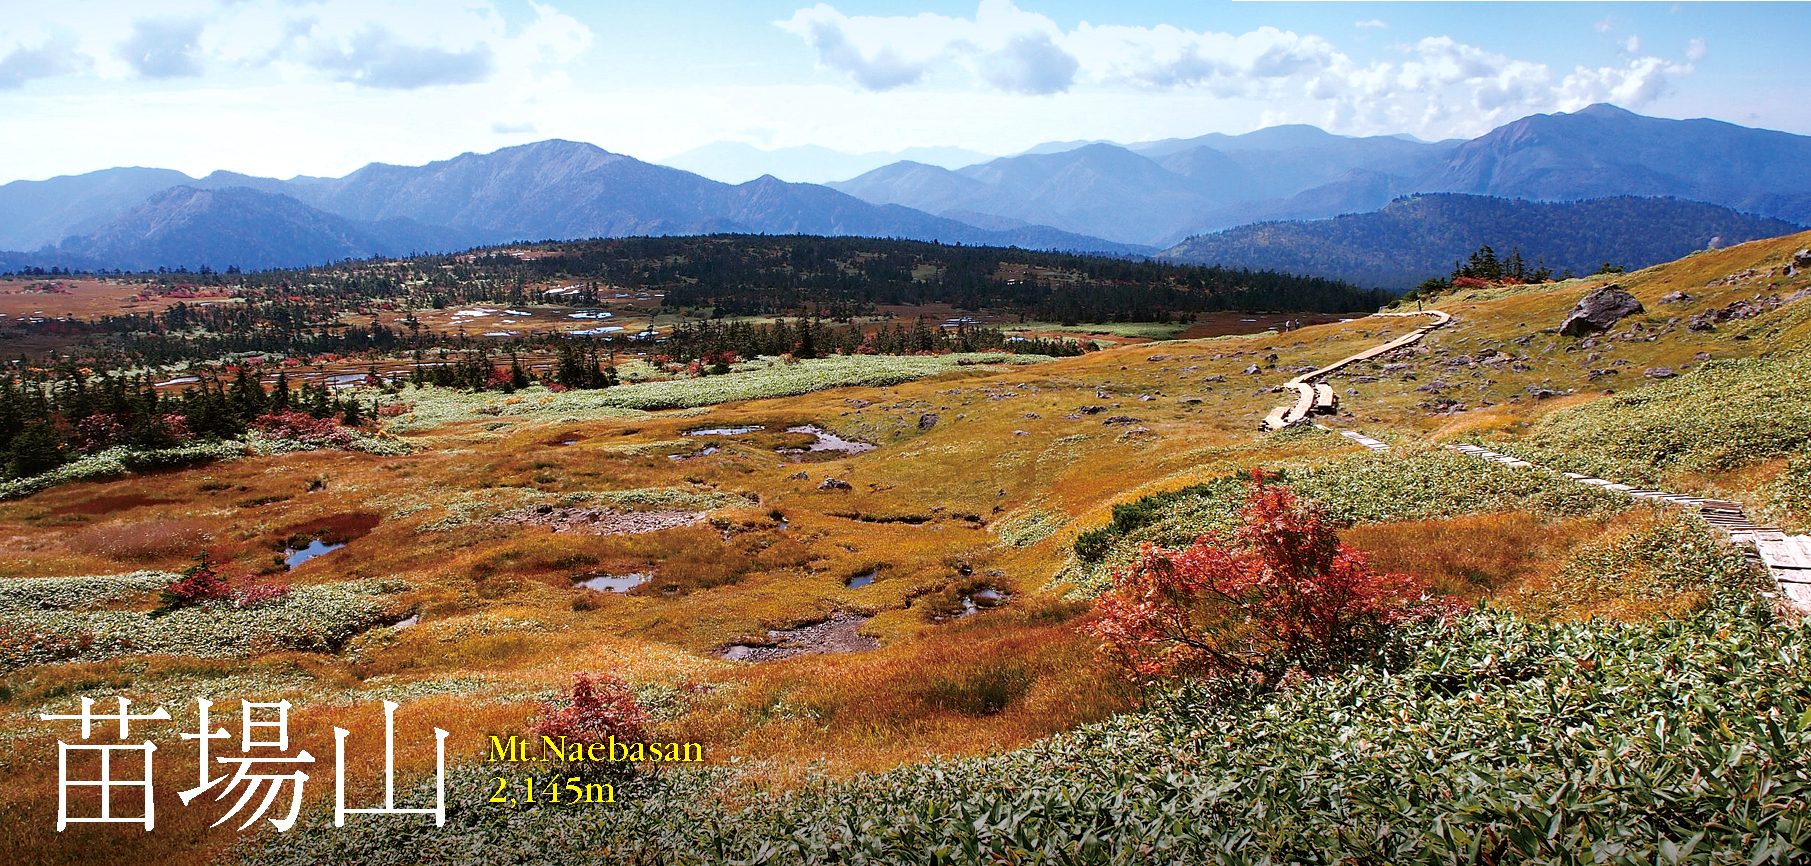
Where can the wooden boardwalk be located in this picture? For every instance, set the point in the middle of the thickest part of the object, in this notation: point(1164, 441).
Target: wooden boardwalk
point(1311, 398)
point(1787, 558)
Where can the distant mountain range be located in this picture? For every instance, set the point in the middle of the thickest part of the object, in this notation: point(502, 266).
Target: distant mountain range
point(1161, 192)
point(1079, 196)
point(736, 162)
point(1423, 236)
point(144, 218)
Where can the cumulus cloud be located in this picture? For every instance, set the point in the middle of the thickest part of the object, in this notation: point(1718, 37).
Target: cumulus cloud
point(1436, 84)
point(1005, 46)
point(57, 56)
point(1029, 63)
point(163, 47)
point(883, 68)
point(375, 57)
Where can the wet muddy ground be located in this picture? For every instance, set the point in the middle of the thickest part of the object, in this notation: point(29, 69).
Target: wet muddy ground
point(838, 634)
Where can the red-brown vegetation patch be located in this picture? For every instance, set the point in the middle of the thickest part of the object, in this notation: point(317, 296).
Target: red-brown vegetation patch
point(333, 529)
point(143, 540)
point(110, 504)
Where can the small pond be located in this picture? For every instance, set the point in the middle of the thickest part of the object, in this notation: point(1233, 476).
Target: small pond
point(723, 431)
point(294, 558)
point(615, 582)
point(828, 441)
point(983, 598)
point(861, 580)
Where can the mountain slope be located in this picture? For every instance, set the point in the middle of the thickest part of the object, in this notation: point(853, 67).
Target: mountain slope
point(185, 226)
point(34, 213)
point(1419, 237)
point(1604, 151)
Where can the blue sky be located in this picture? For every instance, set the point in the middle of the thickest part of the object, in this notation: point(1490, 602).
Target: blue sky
point(285, 87)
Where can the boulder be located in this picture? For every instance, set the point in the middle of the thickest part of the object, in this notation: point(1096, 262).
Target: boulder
point(1599, 311)
point(835, 484)
point(928, 420)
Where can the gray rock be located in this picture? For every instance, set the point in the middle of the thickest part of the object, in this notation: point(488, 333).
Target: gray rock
point(1675, 298)
point(1598, 311)
point(1802, 258)
point(835, 484)
point(927, 420)
point(1660, 373)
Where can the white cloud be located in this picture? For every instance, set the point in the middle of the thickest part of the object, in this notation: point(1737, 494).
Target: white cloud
point(1005, 46)
point(1696, 50)
point(375, 57)
point(1374, 23)
point(377, 44)
point(57, 56)
point(1438, 85)
point(1029, 63)
point(163, 47)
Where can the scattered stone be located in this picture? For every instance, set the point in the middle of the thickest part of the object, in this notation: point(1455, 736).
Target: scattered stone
point(1033, 416)
point(927, 420)
point(1600, 310)
point(1675, 298)
point(1253, 370)
point(1660, 373)
point(1020, 433)
point(1091, 410)
point(1119, 419)
point(800, 475)
point(1541, 393)
point(1145, 398)
point(835, 484)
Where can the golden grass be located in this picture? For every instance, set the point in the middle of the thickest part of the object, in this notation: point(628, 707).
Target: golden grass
point(992, 681)
point(1474, 556)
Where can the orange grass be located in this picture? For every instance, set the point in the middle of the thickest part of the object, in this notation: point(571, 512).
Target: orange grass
point(1473, 556)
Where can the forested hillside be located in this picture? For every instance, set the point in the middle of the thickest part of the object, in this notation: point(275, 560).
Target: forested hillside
point(1422, 236)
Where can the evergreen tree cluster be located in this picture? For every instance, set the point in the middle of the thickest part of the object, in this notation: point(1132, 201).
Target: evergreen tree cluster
point(810, 338)
point(50, 417)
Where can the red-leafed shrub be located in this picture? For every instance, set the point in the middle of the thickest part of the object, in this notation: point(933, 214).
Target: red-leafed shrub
point(1291, 597)
point(100, 431)
point(303, 427)
point(601, 707)
point(1470, 282)
point(199, 583)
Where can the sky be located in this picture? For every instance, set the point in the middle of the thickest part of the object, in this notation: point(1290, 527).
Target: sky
point(321, 87)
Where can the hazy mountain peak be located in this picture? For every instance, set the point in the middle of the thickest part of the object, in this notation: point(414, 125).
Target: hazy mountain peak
point(1605, 109)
